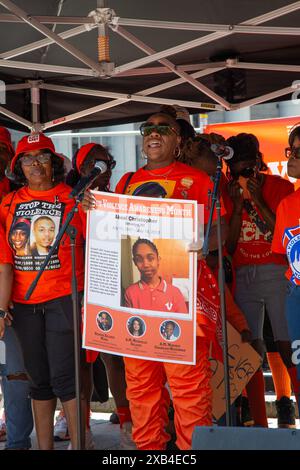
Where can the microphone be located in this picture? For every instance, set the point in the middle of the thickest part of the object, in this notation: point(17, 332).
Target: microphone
point(86, 181)
point(222, 151)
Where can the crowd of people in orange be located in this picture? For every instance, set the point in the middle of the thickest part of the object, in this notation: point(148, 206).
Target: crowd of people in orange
point(260, 233)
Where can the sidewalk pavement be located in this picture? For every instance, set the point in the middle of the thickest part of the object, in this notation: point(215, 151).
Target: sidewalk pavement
point(106, 435)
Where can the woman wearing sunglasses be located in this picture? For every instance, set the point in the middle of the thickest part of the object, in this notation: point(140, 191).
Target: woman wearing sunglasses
point(44, 323)
point(286, 241)
point(190, 385)
point(84, 162)
point(260, 282)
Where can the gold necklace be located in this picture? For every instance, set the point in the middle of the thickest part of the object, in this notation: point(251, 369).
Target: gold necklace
point(164, 175)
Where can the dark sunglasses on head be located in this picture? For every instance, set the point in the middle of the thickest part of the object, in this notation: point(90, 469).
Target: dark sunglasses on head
point(28, 160)
point(161, 129)
point(292, 152)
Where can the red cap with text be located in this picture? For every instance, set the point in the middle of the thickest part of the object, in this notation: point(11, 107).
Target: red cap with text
point(29, 143)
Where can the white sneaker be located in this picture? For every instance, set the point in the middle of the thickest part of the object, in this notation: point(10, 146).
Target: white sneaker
point(126, 442)
point(89, 441)
point(61, 429)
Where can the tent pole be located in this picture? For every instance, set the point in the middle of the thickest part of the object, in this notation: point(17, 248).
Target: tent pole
point(47, 68)
point(15, 117)
point(260, 66)
point(48, 33)
point(137, 97)
point(266, 97)
point(35, 103)
point(9, 18)
point(86, 112)
point(186, 77)
point(210, 37)
point(210, 27)
point(45, 42)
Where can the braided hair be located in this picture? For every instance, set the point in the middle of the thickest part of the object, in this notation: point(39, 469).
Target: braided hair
point(144, 241)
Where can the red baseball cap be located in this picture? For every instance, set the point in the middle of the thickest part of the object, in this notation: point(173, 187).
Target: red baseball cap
point(83, 152)
point(28, 143)
point(5, 138)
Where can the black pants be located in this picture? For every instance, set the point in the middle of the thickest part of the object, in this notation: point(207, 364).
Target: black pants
point(45, 332)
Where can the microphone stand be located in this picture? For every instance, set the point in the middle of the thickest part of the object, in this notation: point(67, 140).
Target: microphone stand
point(71, 231)
point(215, 202)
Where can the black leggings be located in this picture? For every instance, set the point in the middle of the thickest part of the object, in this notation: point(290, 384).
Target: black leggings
point(45, 332)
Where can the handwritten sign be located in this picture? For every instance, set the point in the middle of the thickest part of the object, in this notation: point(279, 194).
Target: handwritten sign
point(243, 363)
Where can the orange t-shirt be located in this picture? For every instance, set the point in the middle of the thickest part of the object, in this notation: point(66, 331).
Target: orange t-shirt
point(286, 239)
point(6, 256)
point(253, 246)
point(31, 220)
point(175, 181)
point(165, 297)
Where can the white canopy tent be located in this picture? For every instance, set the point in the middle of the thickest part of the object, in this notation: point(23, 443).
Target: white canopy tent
point(67, 87)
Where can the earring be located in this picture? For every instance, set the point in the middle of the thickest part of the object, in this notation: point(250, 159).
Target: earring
point(177, 152)
point(53, 179)
point(144, 155)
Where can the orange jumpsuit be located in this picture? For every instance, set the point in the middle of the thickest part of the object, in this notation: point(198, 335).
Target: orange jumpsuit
point(189, 384)
point(149, 399)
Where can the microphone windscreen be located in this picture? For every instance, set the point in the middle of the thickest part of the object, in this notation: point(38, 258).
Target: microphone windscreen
point(102, 166)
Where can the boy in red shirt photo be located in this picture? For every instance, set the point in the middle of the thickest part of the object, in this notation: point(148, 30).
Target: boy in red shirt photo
point(152, 292)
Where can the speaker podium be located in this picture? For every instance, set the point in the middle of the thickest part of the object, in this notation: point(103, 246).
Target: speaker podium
point(239, 438)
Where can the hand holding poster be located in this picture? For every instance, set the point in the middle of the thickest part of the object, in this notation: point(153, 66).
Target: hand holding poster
point(140, 296)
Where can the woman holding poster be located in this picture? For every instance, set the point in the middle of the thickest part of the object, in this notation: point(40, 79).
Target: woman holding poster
point(44, 323)
point(189, 384)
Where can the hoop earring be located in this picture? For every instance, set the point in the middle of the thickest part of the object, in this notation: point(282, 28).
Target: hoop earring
point(177, 152)
point(144, 156)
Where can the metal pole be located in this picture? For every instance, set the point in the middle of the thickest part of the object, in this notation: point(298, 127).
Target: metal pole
point(35, 102)
point(221, 280)
point(72, 231)
point(215, 203)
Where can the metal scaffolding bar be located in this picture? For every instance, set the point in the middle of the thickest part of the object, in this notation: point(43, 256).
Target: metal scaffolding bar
point(48, 33)
point(85, 112)
point(47, 68)
point(17, 86)
point(258, 66)
point(208, 38)
point(43, 42)
point(186, 78)
point(9, 18)
point(125, 97)
point(15, 117)
point(263, 98)
point(184, 26)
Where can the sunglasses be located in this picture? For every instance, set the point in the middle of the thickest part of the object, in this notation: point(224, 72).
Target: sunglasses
point(28, 160)
point(292, 152)
point(161, 129)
